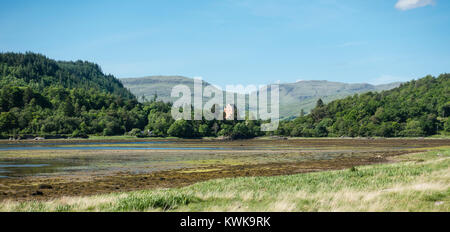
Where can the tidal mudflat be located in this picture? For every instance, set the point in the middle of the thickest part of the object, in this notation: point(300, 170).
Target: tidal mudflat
point(45, 170)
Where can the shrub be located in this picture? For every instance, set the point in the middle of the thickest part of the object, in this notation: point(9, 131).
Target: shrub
point(135, 132)
point(78, 134)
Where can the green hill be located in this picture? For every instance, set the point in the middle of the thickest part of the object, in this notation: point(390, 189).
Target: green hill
point(42, 96)
point(39, 72)
point(416, 108)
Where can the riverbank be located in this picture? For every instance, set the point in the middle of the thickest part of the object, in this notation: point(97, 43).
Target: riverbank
point(414, 182)
point(88, 168)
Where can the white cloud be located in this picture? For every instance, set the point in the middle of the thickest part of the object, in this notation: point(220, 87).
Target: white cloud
point(411, 4)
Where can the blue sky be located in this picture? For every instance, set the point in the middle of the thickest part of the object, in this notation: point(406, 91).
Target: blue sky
point(239, 42)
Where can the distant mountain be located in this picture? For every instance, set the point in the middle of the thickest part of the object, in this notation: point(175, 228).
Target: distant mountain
point(304, 94)
point(159, 85)
point(293, 96)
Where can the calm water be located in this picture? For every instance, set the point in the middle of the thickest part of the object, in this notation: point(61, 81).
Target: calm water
point(79, 143)
point(41, 166)
point(13, 165)
point(101, 146)
point(106, 148)
point(26, 167)
point(130, 161)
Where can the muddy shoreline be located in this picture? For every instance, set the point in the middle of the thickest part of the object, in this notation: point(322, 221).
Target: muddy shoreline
point(46, 188)
point(257, 141)
point(87, 183)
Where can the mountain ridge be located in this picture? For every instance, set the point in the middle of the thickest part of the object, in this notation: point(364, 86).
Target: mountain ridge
point(293, 96)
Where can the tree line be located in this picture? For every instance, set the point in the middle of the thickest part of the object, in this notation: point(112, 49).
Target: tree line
point(40, 96)
point(417, 108)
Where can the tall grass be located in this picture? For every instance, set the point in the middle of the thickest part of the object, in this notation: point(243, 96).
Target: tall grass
point(143, 201)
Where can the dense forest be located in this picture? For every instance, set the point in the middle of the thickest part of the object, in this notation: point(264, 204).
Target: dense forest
point(417, 108)
point(44, 97)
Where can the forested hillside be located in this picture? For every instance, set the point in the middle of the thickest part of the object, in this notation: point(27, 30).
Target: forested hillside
point(40, 96)
point(416, 108)
point(39, 72)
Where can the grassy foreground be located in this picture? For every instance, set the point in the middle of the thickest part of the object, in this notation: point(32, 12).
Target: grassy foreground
point(418, 182)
